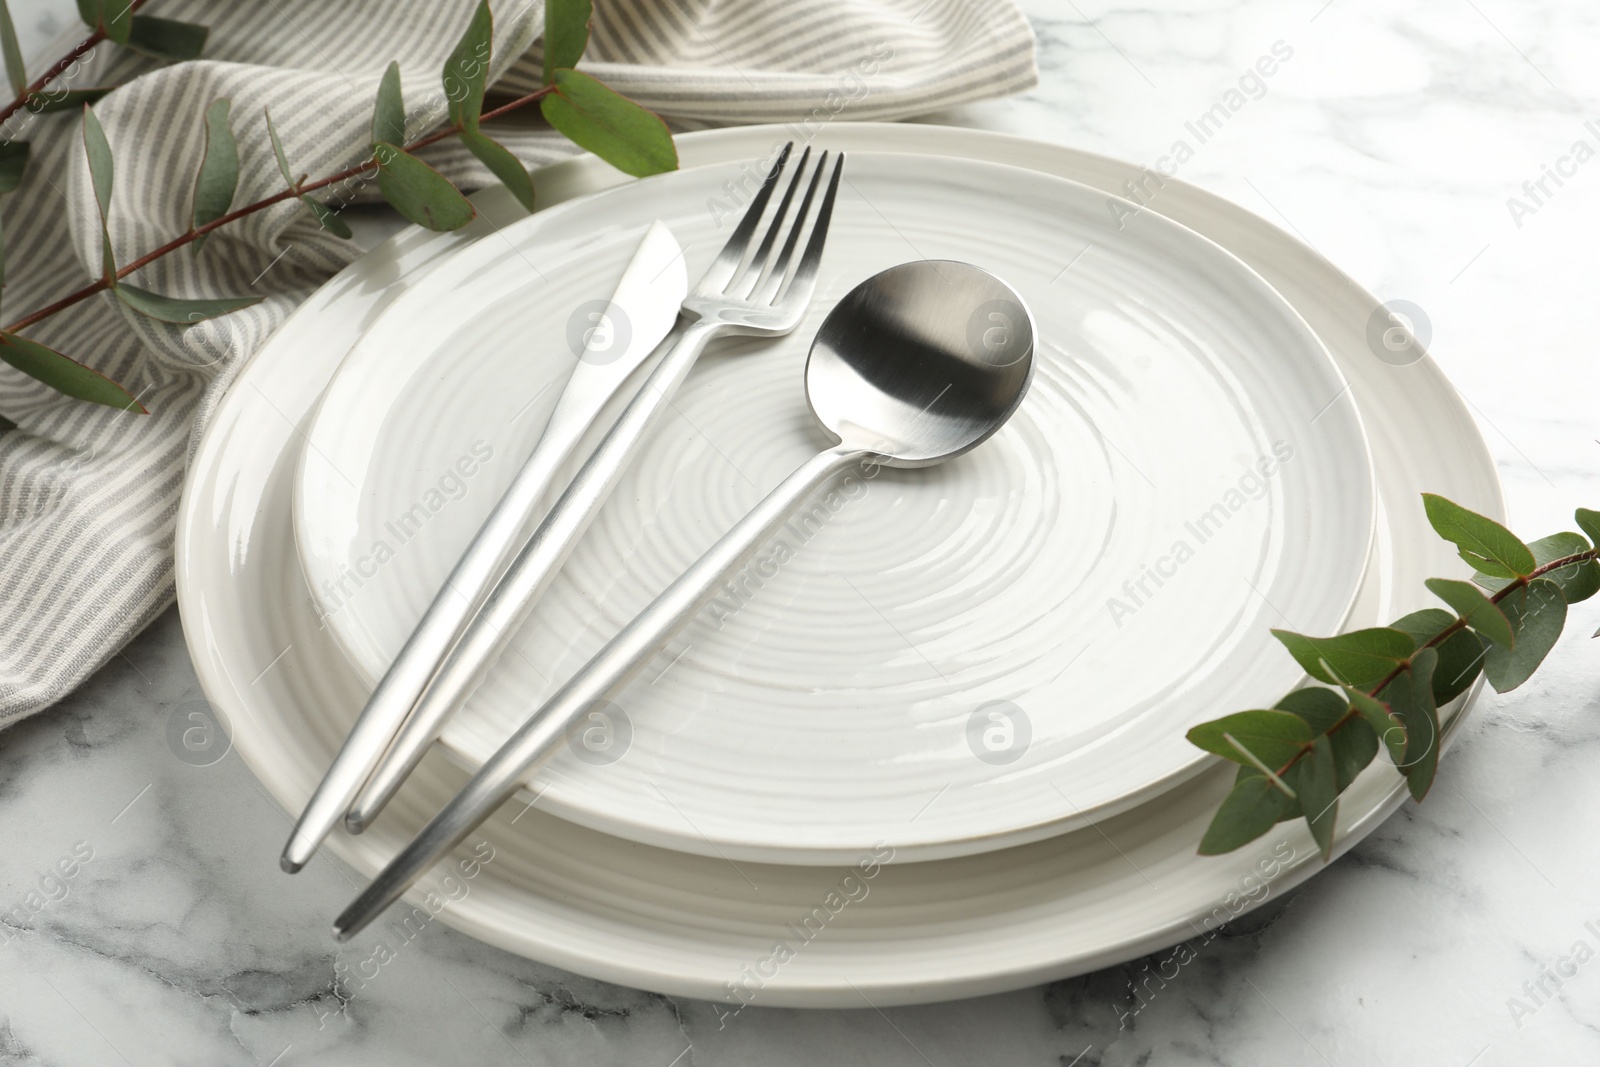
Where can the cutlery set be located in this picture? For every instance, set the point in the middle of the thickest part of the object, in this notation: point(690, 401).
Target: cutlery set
point(916, 365)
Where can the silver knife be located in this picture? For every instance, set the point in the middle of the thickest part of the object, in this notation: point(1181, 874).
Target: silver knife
point(640, 313)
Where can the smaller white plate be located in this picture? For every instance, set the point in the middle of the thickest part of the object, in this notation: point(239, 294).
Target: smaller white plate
point(951, 660)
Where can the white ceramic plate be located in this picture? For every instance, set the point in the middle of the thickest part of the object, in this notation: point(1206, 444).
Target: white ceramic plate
point(1058, 606)
point(692, 926)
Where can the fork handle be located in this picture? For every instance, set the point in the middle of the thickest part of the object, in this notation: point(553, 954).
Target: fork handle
point(601, 678)
point(485, 634)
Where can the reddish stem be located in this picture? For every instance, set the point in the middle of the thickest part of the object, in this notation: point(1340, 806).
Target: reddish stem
point(59, 67)
point(178, 242)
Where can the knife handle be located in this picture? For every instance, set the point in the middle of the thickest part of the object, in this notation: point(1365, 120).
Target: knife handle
point(486, 632)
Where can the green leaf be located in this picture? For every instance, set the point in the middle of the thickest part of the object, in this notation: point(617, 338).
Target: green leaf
point(467, 69)
point(1460, 656)
point(1537, 613)
point(566, 34)
point(13, 161)
point(1315, 780)
point(597, 118)
point(326, 217)
point(167, 38)
point(512, 174)
point(1589, 522)
point(46, 101)
point(419, 192)
point(16, 70)
point(1252, 809)
point(1272, 737)
point(1479, 611)
point(101, 173)
point(1354, 746)
point(277, 150)
point(181, 311)
point(1484, 543)
point(1385, 725)
point(1577, 581)
point(115, 17)
point(1320, 708)
point(389, 111)
point(1291, 805)
point(1410, 698)
point(65, 375)
point(1360, 657)
point(214, 186)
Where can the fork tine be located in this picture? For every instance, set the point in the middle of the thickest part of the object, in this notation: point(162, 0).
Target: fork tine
point(774, 278)
point(721, 270)
point(747, 278)
point(805, 274)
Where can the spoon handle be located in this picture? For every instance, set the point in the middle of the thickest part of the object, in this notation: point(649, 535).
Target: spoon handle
point(602, 677)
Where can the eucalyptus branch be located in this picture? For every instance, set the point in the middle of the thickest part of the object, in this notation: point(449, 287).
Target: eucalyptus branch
point(581, 108)
point(1382, 687)
point(1460, 624)
point(194, 233)
point(59, 67)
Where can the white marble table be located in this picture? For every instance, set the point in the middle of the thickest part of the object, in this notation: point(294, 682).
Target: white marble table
point(1391, 140)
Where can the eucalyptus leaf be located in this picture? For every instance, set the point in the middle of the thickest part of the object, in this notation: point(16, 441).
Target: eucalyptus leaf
point(1577, 581)
point(16, 70)
point(1410, 698)
point(467, 69)
point(1291, 805)
point(13, 162)
point(1360, 657)
point(512, 174)
point(1537, 612)
point(1460, 655)
point(1354, 746)
point(46, 101)
point(597, 118)
point(419, 192)
point(1589, 522)
point(181, 311)
point(101, 174)
point(1484, 543)
point(566, 34)
point(1478, 610)
point(1252, 809)
point(63, 374)
point(326, 217)
point(1385, 725)
point(1272, 737)
point(1315, 780)
point(114, 17)
point(214, 186)
point(389, 110)
point(1320, 708)
point(167, 38)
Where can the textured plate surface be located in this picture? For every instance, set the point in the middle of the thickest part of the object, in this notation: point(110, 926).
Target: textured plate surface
point(692, 926)
point(1003, 646)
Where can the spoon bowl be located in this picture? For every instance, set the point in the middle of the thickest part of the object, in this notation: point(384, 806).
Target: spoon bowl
point(921, 362)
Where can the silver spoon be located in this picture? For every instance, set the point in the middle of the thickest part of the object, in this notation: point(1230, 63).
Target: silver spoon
point(914, 366)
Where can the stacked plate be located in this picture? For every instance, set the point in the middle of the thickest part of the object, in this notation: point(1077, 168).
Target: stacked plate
point(937, 750)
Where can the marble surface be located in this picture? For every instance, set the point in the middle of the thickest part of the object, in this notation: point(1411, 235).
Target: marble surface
point(1396, 139)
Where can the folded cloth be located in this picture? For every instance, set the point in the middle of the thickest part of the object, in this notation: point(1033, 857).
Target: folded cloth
point(89, 496)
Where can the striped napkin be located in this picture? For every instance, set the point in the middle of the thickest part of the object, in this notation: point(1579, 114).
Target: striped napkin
point(89, 496)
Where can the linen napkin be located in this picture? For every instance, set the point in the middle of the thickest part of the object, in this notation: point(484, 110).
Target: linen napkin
point(89, 496)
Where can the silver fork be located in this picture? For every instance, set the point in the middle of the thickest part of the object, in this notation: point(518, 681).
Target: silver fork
point(740, 293)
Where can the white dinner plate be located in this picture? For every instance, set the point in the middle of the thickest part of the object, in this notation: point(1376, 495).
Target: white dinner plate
point(694, 926)
point(1057, 606)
